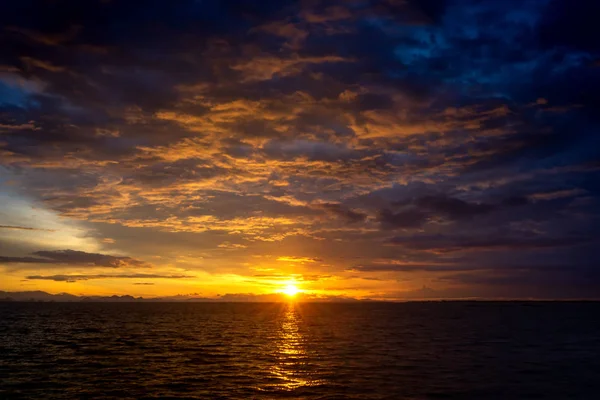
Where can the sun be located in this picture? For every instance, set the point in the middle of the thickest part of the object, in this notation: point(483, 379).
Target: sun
point(291, 290)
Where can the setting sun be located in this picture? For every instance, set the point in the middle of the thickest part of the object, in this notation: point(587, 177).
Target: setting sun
point(291, 290)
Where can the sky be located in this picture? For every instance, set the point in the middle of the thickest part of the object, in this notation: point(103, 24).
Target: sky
point(389, 150)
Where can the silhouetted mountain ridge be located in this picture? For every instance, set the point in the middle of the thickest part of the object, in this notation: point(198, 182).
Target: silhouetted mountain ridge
point(40, 296)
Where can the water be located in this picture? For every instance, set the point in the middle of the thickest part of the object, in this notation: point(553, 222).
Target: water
point(462, 350)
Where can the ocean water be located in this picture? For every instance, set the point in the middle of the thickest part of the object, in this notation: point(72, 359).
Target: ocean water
point(448, 350)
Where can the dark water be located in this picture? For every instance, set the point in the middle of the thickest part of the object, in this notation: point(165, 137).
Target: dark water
point(309, 351)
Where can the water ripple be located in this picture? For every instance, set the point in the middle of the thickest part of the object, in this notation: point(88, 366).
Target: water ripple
point(308, 351)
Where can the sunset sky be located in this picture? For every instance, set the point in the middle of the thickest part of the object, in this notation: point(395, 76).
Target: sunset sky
point(389, 149)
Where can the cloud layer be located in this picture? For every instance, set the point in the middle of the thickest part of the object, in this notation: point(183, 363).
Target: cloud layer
point(396, 144)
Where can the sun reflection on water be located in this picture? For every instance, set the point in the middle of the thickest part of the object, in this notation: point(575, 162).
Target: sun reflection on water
point(292, 367)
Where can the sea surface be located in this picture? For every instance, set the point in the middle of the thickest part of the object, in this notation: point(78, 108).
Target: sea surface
point(430, 350)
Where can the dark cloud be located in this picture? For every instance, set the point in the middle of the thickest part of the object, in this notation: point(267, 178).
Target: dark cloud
point(75, 258)
point(403, 219)
point(75, 278)
point(467, 128)
point(414, 267)
point(571, 25)
point(416, 211)
point(447, 244)
point(344, 212)
point(25, 228)
point(312, 151)
point(453, 208)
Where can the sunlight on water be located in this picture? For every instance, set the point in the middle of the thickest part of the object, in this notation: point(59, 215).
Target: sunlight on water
point(292, 367)
point(399, 351)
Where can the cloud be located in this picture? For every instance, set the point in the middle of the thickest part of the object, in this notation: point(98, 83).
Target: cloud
point(402, 219)
point(75, 258)
point(31, 63)
point(453, 208)
point(344, 212)
point(75, 278)
point(292, 259)
point(427, 129)
point(558, 194)
point(294, 34)
point(447, 244)
point(312, 151)
point(575, 19)
point(415, 212)
point(262, 68)
point(25, 228)
point(414, 267)
point(232, 246)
